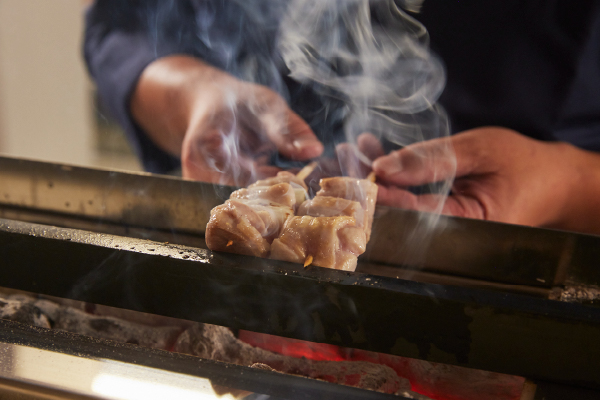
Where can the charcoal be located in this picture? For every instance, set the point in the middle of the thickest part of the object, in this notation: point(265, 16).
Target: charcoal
point(76, 321)
point(48, 314)
point(135, 316)
point(458, 383)
point(218, 343)
point(21, 297)
point(261, 366)
point(49, 308)
point(583, 294)
point(23, 312)
point(203, 340)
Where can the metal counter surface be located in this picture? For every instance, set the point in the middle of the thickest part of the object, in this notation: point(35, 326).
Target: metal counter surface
point(171, 209)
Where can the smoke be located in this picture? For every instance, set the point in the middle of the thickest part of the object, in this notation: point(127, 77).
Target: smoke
point(345, 66)
point(374, 58)
point(337, 46)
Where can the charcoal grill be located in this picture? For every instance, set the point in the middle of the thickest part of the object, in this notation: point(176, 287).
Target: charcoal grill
point(468, 293)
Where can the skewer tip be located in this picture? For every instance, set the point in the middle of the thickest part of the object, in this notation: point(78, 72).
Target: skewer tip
point(372, 177)
point(229, 243)
point(306, 171)
point(308, 261)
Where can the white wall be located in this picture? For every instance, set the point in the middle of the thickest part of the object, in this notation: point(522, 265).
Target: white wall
point(44, 91)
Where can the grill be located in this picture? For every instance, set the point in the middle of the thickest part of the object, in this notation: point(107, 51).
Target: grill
point(465, 293)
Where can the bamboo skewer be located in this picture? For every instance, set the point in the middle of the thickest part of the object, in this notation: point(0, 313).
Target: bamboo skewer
point(302, 175)
point(372, 177)
point(308, 261)
point(306, 171)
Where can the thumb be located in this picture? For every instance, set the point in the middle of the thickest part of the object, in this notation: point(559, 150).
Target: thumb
point(418, 164)
point(466, 153)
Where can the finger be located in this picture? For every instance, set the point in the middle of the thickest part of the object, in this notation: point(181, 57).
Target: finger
point(214, 157)
point(267, 113)
point(296, 140)
point(453, 205)
point(197, 172)
point(263, 172)
point(241, 176)
point(351, 161)
point(436, 160)
point(370, 146)
point(201, 157)
point(393, 196)
point(417, 164)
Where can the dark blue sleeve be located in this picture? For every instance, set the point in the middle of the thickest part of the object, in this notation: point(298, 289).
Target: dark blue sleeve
point(526, 65)
point(579, 121)
point(117, 47)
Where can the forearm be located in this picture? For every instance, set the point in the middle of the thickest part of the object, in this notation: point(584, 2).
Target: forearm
point(165, 97)
point(117, 49)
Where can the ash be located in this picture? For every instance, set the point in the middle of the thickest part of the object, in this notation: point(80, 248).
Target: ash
point(441, 381)
point(218, 343)
point(203, 340)
point(576, 294)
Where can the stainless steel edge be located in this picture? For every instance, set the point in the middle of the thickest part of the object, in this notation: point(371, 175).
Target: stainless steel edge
point(179, 209)
point(138, 199)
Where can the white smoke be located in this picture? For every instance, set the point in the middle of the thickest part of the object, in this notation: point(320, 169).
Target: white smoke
point(367, 60)
point(387, 67)
point(375, 58)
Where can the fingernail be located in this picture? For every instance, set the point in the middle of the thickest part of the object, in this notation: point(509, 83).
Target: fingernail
point(388, 165)
point(310, 145)
point(303, 143)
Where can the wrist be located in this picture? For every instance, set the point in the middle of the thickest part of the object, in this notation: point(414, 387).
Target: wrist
point(169, 93)
point(581, 184)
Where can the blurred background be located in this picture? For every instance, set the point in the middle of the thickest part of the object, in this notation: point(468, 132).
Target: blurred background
point(48, 105)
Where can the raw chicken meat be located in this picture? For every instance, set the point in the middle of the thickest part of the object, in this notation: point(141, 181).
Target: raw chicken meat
point(361, 190)
point(281, 177)
point(330, 242)
point(326, 206)
point(328, 231)
point(248, 222)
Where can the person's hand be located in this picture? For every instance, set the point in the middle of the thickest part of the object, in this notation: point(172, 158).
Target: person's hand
point(225, 130)
point(235, 127)
point(356, 159)
point(502, 176)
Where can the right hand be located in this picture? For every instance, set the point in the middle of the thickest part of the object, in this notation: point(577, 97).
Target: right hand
point(500, 175)
point(224, 129)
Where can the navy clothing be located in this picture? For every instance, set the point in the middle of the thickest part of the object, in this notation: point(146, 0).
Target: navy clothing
point(532, 66)
point(529, 65)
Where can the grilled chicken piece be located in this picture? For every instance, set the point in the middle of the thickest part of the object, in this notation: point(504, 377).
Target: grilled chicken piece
point(281, 193)
point(282, 177)
point(297, 185)
point(362, 191)
point(326, 206)
point(246, 226)
point(332, 242)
